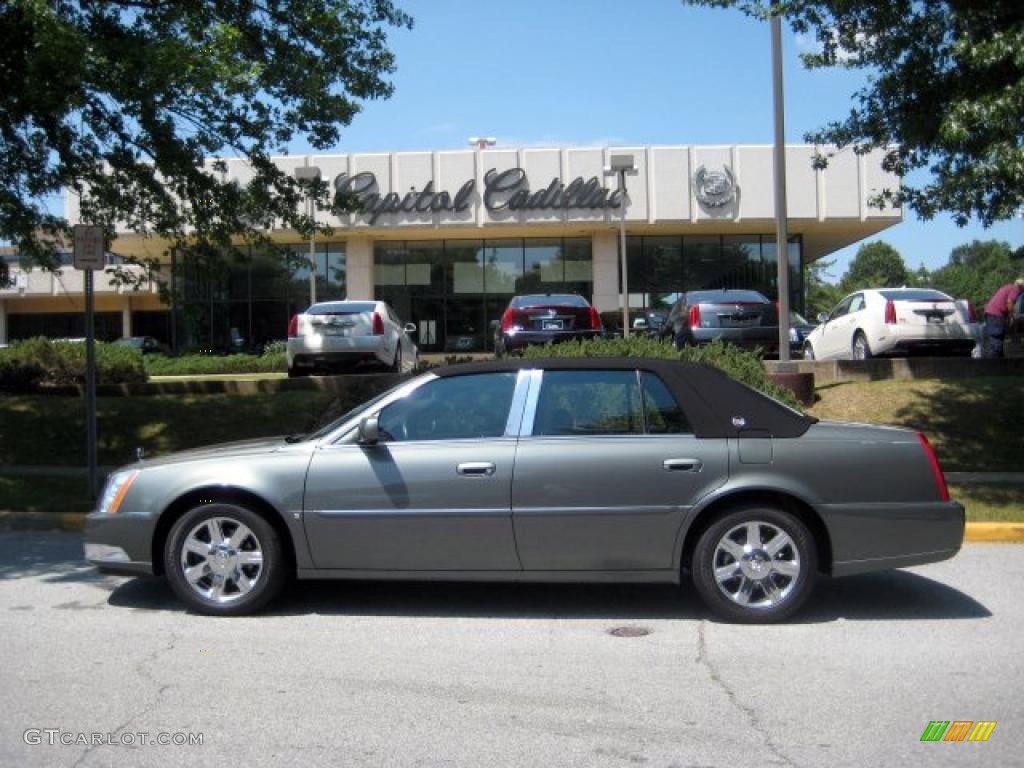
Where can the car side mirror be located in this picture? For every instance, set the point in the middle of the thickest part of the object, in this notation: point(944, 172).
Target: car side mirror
point(409, 328)
point(822, 317)
point(369, 431)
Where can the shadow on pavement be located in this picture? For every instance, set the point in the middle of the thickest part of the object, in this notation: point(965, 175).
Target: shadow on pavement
point(55, 557)
point(895, 595)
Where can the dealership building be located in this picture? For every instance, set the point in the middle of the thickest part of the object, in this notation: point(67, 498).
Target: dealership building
point(448, 237)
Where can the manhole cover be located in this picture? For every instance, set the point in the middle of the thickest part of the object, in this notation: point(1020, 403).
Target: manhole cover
point(629, 631)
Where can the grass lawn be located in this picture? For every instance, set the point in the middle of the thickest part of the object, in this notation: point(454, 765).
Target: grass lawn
point(40, 429)
point(991, 503)
point(974, 424)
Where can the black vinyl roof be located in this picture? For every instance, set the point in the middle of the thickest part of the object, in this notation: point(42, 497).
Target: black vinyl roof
point(716, 405)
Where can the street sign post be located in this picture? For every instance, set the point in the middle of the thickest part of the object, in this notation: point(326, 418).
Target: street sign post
point(89, 254)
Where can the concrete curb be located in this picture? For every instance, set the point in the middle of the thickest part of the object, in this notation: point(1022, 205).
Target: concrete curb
point(75, 521)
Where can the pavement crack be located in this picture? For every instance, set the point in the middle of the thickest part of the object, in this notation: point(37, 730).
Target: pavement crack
point(144, 670)
point(748, 712)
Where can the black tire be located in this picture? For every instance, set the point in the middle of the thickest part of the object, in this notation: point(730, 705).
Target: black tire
point(266, 582)
point(808, 351)
point(790, 591)
point(861, 350)
point(396, 365)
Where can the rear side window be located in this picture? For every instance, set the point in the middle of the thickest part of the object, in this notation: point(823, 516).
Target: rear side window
point(662, 413)
point(589, 403)
point(452, 408)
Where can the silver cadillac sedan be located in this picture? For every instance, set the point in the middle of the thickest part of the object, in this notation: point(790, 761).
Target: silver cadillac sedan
point(586, 470)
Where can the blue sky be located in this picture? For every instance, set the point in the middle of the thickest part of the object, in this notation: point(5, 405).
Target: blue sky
point(582, 72)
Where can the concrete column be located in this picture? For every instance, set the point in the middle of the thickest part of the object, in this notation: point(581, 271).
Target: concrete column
point(359, 268)
point(126, 317)
point(605, 247)
point(3, 321)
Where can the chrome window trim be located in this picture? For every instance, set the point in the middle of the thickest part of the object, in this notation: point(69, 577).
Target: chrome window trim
point(530, 411)
point(519, 399)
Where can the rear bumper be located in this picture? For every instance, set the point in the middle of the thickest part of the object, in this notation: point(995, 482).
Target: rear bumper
point(522, 339)
point(872, 537)
point(766, 339)
point(317, 350)
point(949, 340)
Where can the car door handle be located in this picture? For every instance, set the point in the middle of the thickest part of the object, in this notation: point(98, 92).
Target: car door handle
point(682, 465)
point(476, 468)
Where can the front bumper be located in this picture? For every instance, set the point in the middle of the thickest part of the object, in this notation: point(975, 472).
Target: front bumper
point(119, 544)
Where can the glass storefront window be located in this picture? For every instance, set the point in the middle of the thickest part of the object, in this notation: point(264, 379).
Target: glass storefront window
point(503, 266)
point(465, 259)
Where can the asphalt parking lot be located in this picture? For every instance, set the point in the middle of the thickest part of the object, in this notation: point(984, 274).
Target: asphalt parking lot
point(390, 674)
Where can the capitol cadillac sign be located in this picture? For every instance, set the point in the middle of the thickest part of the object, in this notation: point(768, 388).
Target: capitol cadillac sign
point(507, 190)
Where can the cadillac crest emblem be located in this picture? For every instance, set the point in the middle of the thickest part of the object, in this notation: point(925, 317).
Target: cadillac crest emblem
point(714, 188)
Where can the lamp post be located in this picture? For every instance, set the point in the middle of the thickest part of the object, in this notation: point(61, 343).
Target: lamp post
point(622, 166)
point(482, 142)
point(310, 174)
point(781, 213)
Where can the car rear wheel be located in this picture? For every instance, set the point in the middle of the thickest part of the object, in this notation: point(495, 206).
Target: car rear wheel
point(861, 348)
point(755, 565)
point(224, 560)
point(396, 366)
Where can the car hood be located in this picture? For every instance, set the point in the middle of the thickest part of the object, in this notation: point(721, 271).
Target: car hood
point(239, 448)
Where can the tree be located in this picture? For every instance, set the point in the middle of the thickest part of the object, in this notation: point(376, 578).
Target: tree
point(876, 265)
point(821, 295)
point(127, 103)
point(945, 92)
point(976, 270)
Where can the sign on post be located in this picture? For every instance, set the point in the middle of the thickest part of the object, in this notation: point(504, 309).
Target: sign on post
point(89, 250)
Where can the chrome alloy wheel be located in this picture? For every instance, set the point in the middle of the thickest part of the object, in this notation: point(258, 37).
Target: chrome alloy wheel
point(221, 559)
point(756, 565)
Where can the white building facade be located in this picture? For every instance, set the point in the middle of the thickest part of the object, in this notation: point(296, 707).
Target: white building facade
point(449, 236)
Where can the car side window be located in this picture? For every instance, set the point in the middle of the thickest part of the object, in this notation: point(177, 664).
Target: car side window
point(589, 403)
point(662, 413)
point(842, 309)
point(451, 408)
point(857, 303)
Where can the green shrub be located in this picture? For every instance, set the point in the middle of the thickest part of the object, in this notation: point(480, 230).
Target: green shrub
point(272, 348)
point(39, 364)
point(740, 364)
point(187, 365)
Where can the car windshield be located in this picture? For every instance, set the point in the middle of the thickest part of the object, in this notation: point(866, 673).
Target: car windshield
point(926, 294)
point(567, 300)
point(333, 425)
point(341, 307)
point(725, 296)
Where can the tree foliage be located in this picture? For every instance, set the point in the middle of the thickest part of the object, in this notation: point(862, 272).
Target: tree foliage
point(876, 265)
point(821, 295)
point(976, 270)
point(945, 92)
point(126, 103)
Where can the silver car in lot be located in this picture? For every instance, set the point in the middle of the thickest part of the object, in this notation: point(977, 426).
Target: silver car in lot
point(592, 470)
point(335, 335)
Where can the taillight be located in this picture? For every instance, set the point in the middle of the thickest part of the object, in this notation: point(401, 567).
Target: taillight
point(695, 316)
point(511, 318)
point(378, 324)
point(890, 312)
point(595, 320)
point(293, 327)
point(972, 316)
point(940, 479)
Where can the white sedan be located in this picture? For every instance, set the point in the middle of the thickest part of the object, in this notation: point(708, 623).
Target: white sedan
point(339, 334)
point(893, 321)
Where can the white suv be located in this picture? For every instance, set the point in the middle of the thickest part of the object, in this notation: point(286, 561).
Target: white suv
point(338, 334)
point(893, 321)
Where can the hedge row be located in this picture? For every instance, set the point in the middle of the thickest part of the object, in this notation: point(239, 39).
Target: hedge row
point(186, 365)
point(38, 365)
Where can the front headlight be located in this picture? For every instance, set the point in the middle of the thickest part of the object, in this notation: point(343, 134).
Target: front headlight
point(115, 491)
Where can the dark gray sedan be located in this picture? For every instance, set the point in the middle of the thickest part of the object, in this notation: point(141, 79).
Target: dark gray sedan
point(594, 470)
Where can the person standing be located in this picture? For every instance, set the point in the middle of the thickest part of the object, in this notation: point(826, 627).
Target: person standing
point(999, 313)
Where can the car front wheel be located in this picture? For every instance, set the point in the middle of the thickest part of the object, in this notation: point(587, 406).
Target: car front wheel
point(755, 565)
point(808, 351)
point(224, 560)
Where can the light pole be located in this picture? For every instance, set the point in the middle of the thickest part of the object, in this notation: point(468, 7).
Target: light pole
point(311, 174)
point(781, 213)
point(622, 166)
point(482, 142)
